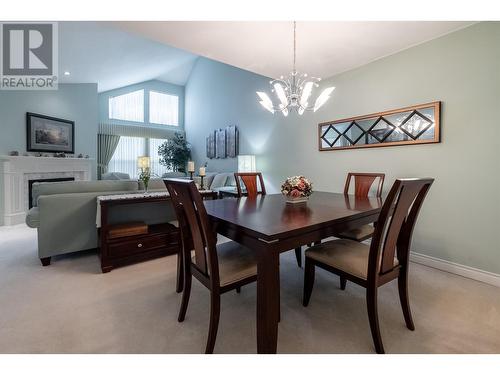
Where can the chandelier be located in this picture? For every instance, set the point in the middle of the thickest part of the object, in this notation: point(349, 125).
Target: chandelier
point(294, 92)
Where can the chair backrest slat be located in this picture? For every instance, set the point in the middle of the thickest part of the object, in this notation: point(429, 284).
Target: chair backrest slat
point(395, 224)
point(249, 179)
point(363, 183)
point(196, 231)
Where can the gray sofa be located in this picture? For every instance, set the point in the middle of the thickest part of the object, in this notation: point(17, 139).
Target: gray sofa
point(64, 213)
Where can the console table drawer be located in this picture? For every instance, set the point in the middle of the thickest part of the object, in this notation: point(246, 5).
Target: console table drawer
point(137, 245)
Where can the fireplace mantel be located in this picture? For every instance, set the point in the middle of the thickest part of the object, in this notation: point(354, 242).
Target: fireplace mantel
point(16, 171)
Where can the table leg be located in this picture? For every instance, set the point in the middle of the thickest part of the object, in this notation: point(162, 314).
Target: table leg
point(268, 284)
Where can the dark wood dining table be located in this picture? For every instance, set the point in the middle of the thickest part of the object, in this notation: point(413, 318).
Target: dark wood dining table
point(270, 226)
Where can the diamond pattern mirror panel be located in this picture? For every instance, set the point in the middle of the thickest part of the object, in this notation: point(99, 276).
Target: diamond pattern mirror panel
point(406, 126)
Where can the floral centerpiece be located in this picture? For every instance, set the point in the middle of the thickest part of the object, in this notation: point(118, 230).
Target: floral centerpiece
point(296, 189)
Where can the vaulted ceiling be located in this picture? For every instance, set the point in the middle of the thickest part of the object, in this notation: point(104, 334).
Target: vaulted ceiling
point(95, 52)
point(116, 54)
point(323, 48)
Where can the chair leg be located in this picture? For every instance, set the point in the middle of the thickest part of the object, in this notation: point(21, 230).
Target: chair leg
point(214, 321)
point(309, 271)
point(343, 282)
point(238, 289)
point(298, 255)
point(371, 304)
point(185, 296)
point(403, 297)
point(180, 274)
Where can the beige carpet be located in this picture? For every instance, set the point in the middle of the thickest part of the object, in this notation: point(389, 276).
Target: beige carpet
point(70, 307)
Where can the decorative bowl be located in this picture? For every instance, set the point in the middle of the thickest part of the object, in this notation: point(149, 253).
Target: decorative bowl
point(294, 200)
point(296, 189)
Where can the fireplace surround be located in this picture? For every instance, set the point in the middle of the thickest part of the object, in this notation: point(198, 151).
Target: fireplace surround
point(16, 173)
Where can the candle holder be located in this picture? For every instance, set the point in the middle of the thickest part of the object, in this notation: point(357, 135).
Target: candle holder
point(201, 183)
point(191, 175)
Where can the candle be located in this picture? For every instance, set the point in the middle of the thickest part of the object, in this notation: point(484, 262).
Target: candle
point(202, 171)
point(190, 166)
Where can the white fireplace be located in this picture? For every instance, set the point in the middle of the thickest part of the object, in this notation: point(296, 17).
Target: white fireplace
point(17, 171)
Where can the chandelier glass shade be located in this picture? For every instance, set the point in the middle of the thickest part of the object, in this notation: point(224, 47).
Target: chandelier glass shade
point(294, 93)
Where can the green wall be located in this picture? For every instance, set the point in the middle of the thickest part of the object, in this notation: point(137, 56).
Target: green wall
point(460, 218)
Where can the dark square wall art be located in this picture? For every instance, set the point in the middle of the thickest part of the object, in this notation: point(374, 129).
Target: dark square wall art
point(49, 134)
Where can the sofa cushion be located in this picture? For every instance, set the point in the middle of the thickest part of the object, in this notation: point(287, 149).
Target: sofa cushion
point(33, 217)
point(230, 180)
point(207, 180)
point(229, 189)
point(66, 187)
point(154, 184)
point(173, 175)
point(219, 180)
point(115, 176)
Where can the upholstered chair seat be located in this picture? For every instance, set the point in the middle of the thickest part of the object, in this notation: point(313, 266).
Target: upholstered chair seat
point(345, 255)
point(360, 234)
point(236, 263)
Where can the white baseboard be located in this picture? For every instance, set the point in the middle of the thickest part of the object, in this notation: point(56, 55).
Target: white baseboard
point(457, 269)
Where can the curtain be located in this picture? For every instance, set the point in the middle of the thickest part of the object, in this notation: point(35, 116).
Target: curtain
point(106, 146)
point(156, 168)
point(133, 141)
point(124, 159)
point(150, 131)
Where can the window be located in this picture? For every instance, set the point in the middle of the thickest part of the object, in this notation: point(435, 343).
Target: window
point(128, 107)
point(156, 168)
point(125, 157)
point(163, 108)
point(129, 149)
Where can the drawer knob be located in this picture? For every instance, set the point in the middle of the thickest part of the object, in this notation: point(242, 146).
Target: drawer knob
point(139, 245)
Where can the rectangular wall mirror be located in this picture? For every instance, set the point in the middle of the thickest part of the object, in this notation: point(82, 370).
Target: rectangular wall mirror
point(405, 126)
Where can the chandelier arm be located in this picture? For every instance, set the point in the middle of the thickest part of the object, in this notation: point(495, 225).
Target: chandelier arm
point(278, 81)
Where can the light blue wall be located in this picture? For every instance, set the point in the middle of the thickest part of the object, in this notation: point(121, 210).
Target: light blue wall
point(459, 220)
point(153, 85)
point(219, 95)
point(76, 102)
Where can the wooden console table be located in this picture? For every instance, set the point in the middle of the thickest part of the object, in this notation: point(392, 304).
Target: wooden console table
point(161, 239)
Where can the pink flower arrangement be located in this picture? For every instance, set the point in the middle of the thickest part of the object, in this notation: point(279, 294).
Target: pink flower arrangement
point(296, 187)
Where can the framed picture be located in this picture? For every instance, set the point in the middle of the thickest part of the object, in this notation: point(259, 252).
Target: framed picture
point(211, 146)
point(49, 134)
point(220, 144)
point(232, 141)
point(418, 124)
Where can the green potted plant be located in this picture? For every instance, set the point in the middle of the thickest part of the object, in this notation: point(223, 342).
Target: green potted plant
point(175, 153)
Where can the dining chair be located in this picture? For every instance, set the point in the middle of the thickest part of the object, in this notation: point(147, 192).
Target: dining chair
point(249, 179)
point(220, 268)
point(384, 260)
point(362, 185)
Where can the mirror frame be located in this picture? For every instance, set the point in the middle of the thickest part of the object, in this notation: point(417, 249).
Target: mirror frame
point(378, 115)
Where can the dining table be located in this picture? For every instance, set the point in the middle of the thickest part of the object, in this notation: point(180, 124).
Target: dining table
point(269, 225)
